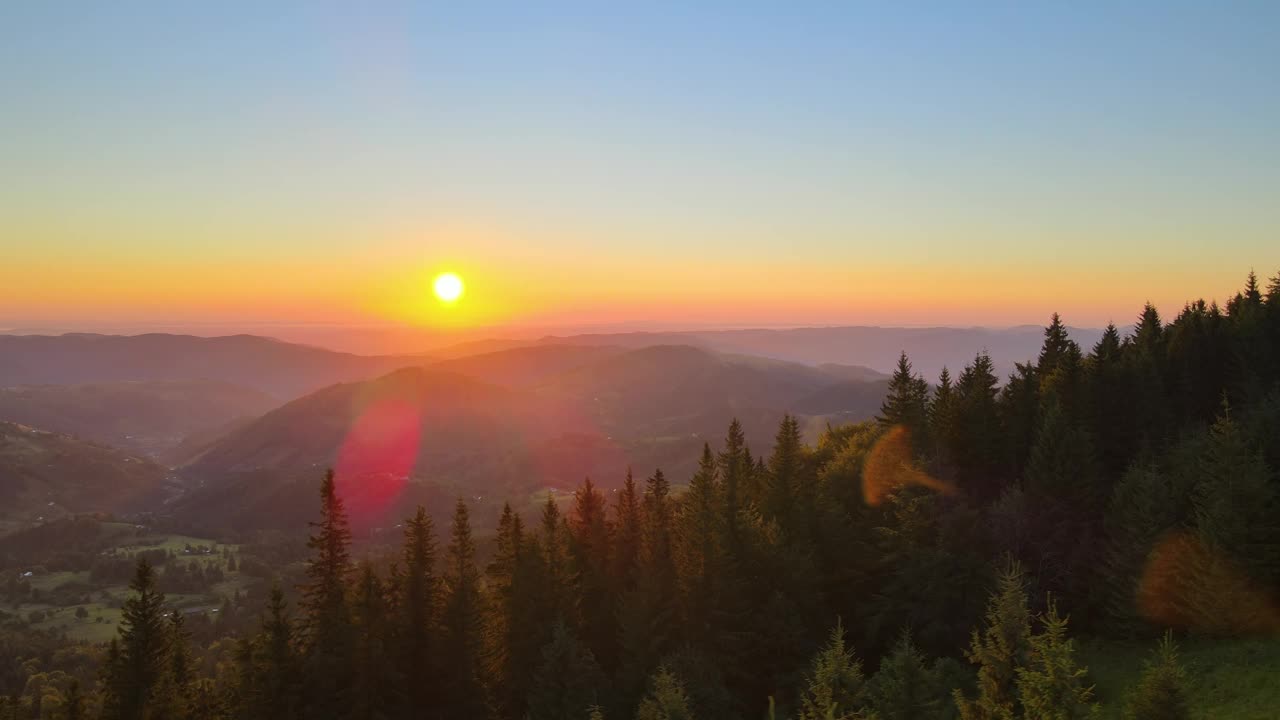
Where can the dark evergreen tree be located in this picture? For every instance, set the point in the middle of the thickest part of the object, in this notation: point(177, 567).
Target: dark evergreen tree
point(1002, 647)
point(568, 682)
point(701, 556)
point(136, 666)
point(275, 665)
point(627, 536)
point(375, 681)
point(462, 690)
point(417, 613)
point(975, 445)
point(666, 699)
point(1051, 685)
point(834, 685)
point(329, 636)
point(590, 551)
point(907, 401)
point(906, 687)
point(1161, 693)
point(648, 613)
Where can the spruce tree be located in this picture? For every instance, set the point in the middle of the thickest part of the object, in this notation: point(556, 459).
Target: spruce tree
point(590, 550)
point(1147, 503)
point(666, 699)
point(463, 690)
point(1235, 503)
point(735, 467)
point(1051, 685)
point(418, 612)
point(1002, 647)
point(329, 631)
point(907, 401)
point(568, 682)
point(648, 613)
point(501, 625)
point(375, 678)
point(784, 474)
point(555, 558)
point(1161, 693)
point(176, 696)
point(942, 414)
point(137, 664)
point(975, 445)
point(276, 666)
point(700, 555)
point(627, 535)
point(906, 687)
point(834, 686)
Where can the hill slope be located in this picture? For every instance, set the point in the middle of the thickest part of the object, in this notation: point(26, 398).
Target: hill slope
point(428, 430)
point(46, 475)
point(149, 417)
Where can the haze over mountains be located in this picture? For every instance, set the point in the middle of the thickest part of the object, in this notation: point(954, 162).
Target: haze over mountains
point(245, 422)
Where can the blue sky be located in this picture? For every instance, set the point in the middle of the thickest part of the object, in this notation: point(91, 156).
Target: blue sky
point(964, 139)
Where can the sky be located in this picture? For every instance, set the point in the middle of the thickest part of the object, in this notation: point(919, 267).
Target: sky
point(641, 164)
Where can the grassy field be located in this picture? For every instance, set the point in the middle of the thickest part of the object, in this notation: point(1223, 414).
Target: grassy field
point(101, 623)
point(1229, 679)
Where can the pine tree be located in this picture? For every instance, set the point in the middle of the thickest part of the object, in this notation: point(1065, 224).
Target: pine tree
point(1063, 498)
point(590, 550)
point(627, 534)
point(137, 664)
point(375, 680)
point(568, 682)
point(735, 467)
point(906, 688)
point(1161, 693)
point(329, 637)
point(975, 445)
point(417, 612)
point(907, 400)
point(502, 628)
point(788, 500)
point(942, 414)
point(555, 558)
point(648, 612)
point(275, 662)
point(175, 700)
point(1057, 348)
point(665, 700)
point(1145, 504)
point(1002, 647)
point(700, 555)
point(463, 691)
point(1051, 686)
point(834, 687)
point(1235, 504)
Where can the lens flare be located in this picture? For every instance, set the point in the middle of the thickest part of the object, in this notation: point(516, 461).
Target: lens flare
point(889, 466)
point(448, 287)
point(1190, 586)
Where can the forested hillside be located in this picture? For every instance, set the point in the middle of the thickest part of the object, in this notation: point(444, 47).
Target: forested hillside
point(957, 557)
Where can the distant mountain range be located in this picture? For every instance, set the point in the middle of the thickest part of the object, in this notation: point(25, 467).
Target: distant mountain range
point(271, 366)
point(491, 418)
point(150, 417)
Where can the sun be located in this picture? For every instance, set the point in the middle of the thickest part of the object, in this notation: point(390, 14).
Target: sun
point(448, 287)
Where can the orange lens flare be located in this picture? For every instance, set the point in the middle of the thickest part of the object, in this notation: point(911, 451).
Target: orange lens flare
point(891, 465)
point(1188, 586)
